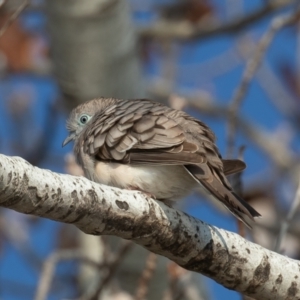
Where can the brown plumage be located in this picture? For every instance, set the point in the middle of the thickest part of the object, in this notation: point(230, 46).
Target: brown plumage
point(144, 145)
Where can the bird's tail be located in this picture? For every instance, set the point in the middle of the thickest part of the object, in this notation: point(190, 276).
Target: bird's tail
point(213, 184)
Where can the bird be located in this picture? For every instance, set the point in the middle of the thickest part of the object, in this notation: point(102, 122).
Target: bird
point(141, 144)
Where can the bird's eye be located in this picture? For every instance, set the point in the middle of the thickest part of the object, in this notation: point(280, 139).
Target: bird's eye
point(83, 119)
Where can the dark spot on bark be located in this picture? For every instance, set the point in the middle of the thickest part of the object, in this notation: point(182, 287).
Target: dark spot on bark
point(204, 260)
point(279, 279)
point(15, 182)
point(92, 198)
point(84, 208)
point(260, 276)
point(233, 247)
point(51, 209)
point(147, 223)
point(122, 204)
point(9, 177)
point(292, 290)
point(18, 194)
point(218, 245)
point(114, 223)
point(296, 277)
point(103, 201)
point(248, 251)
point(196, 236)
point(197, 228)
point(74, 195)
point(78, 207)
point(56, 196)
point(77, 218)
point(35, 197)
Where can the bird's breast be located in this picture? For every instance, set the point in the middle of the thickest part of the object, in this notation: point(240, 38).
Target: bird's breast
point(163, 182)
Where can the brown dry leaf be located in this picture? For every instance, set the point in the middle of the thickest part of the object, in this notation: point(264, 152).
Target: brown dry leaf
point(189, 10)
point(21, 50)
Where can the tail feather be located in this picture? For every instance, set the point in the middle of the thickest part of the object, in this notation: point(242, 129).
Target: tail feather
point(232, 166)
point(235, 204)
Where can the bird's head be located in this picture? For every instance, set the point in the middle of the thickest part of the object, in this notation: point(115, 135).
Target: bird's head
point(81, 116)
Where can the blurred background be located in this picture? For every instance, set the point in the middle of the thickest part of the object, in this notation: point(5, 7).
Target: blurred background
point(235, 64)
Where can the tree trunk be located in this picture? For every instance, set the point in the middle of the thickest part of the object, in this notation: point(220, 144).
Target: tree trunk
point(93, 47)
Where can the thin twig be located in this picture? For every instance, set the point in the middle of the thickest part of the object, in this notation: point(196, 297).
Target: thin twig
point(175, 290)
point(251, 67)
point(13, 16)
point(186, 31)
point(270, 82)
point(287, 222)
point(143, 285)
point(49, 268)
point(112, 268)
point(237, 185)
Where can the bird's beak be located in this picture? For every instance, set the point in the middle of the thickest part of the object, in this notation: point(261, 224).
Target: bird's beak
point(69, 138)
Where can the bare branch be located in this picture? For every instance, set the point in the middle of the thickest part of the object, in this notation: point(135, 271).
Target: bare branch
point(187, 31)
point(286, 223)
point(13, 16)
point(251, 67)
point(278, 93)
point(112, 268)
point(49, 268)
point(97, 209)
point(147, 274)
point(175, 291)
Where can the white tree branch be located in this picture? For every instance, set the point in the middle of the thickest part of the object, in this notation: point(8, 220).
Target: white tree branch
point(97, 209)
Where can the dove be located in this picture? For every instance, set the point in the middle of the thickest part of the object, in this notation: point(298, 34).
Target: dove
point(140, 144)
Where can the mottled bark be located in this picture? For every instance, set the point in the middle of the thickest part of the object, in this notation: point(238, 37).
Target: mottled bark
point(97, 209)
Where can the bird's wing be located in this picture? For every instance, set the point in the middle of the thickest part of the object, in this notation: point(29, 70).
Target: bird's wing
point(146, 132)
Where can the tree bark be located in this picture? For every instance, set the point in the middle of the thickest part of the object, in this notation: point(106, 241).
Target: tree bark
point(101, 210)
point(93, 48)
